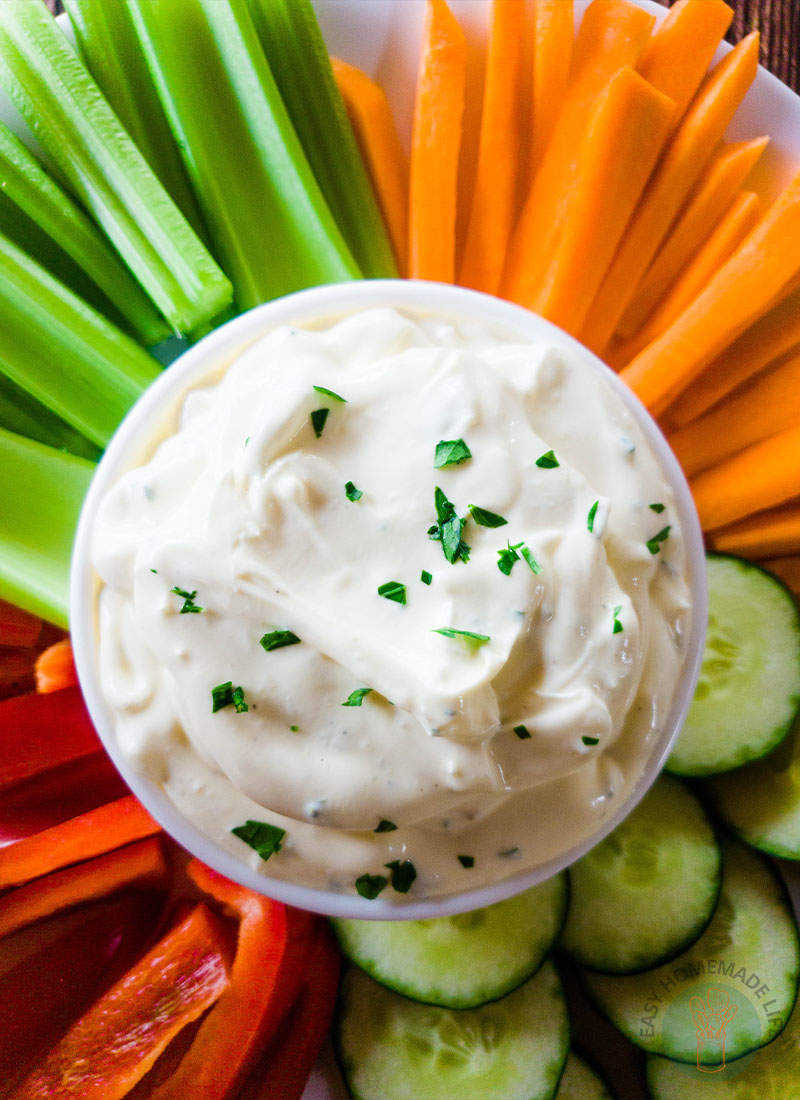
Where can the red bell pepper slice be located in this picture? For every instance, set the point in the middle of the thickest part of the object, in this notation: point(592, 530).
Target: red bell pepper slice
point(116, 1042)
point(18, 627)
point(38, 732)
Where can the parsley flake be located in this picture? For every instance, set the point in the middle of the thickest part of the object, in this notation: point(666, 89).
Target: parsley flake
point(351, 492)
point(318, 418)
point(393, 590)
point(261, 837)
point(468, 636)
point(507, 558)
point(590, 740)
point(226, 695)
point(188, 600)
point(277, 639)
point(531, 560)
point(522, 732)
point(451, 452)
point(369, 886)
point(449, 528)
point(592, 513)
point(657, 508)
point(356, 698)
point(384, 826)
point(330, 393)
point(547, 461)
point(467, 861)
point(403, 874)
point(618, 627)
point(426, 577)
point(484, 518)
point(654, 544)
point(294, 728)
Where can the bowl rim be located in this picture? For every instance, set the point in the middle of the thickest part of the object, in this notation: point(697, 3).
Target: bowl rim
point(205, 359)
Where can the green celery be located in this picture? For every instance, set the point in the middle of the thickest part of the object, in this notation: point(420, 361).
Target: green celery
point(109, 48)
point(297, 55)
point(26, 184)
point(263, 207)
point(64, 353)
point(81, 134)
point(40, 501)
point(23, 414)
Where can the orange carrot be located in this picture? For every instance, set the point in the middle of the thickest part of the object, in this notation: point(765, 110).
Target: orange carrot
point(716, 191)
point(720, 246)
point(632, 119)
point(55, 668)
point(775, 334)
point(376, 134)
point(775, 531)
point(613, 34)
point(762, 476)
point(435, 146)
point(494, 193)
point(787, 570)
point(759, 274)
point(553, 31)
point(679, 53)
point(18, 627)
point(682, 165)
point(84, 837)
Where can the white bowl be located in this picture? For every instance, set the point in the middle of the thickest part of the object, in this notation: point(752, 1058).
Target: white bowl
point(207, 358)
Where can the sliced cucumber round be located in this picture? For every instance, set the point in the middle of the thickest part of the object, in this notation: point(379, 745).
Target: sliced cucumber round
point(761, 801)
point(391, 1048)
point(647, 891)
point(581, 1082)
point(751, 944)
point(464, 960)
point(748, 693)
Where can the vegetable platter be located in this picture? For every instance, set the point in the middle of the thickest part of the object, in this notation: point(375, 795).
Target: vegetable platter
point(382, 38)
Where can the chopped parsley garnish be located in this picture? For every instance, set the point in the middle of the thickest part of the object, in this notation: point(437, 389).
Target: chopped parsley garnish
point(509, 852)
point(654, 544)
point(294, 728)
point(451, 452)
point(507, 558)
point(263, 838)
point(318, 418)
point(351, 492)
point(189, 605)
point(356, 698)
point(403, 874)
point(590, 740)
point(426, 577)
point(592, 514)
point(369, 886)
point(467, 861)
point(657, 508)
point(531, 560)
point(393, 590)
point(153, 570)
point(277, 639)
point(475, 640)
point(226, 695)
point(547, 461)
point(330, 393)
point(449, 528)
point(384, 826)
point(484, 518)
point(618, 627)
point(522, 732)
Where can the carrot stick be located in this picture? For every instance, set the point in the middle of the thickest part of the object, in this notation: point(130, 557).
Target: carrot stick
point(612, 34)
point(84, 837)
point(774, 531)
point(757, 276)
point(494, 193)
point(553, 32)
point(762, 476)
point(376, 134)
point(786, 570)
point(435, 146)
point(738, 221)
point(18, 627)
point(138, 864)
point(55, 668)
point(682, 165)
point(714, 195)
point(679, 53)
point(632, 119)
point(775, 334)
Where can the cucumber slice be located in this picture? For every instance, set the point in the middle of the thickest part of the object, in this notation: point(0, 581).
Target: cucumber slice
point(750, 945)
point(464, 960)
point(762, 800)
point(772, 1073)
point(647, 891)
point(391, 1048)
point(580, 1082)
point(749, 689)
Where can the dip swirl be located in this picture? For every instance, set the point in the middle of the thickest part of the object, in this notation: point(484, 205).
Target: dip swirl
point(402, 587)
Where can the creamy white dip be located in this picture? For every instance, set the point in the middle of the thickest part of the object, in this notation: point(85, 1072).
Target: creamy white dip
point(492, 748)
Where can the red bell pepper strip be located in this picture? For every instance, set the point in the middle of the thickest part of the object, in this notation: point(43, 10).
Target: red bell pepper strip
point(264, 981)
point(120, 1037)
point(18, 627)
point(43, 731)
point(84, 837)
point(140, 864)
point(17, 664)
point(55, 668)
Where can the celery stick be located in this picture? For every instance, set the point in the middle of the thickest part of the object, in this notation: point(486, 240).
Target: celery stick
point(23, 414)
point(64, 353)
point(297, 55)
point(79, 131)
point(40, 501)
point(110, 50)
point(266, 215)
point(26, 184)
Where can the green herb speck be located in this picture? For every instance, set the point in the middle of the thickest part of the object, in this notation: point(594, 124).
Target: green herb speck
point(318, 418)
point(369, 886)
point(451, 452)
point(547, 461)
point(356, 698)
point(654, 544)
point(403, 874)
point(262, 838)
point(351, 492)
point(393, 590)
point(467, 861)
point(384, 826)
point(278, 639)
point(330, 393)
point(592, 514)
point(522, 732)
point(426, 577)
